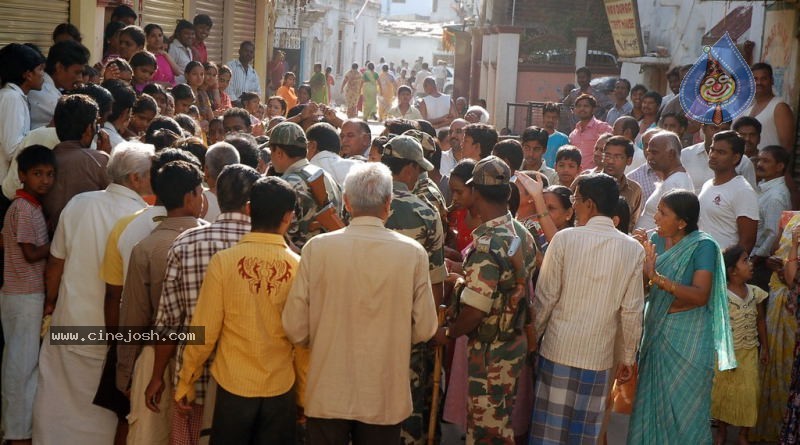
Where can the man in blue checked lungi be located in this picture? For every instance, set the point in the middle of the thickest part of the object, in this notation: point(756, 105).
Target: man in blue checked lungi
point(589, 289)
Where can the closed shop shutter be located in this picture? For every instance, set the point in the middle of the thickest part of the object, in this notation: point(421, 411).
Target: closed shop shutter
point(31, 21)
point(244, 24)
point(161, 12)
point(214, 9)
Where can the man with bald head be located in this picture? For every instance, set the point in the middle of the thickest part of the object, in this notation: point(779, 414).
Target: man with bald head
point(455, 136)
point(645, 176)
point(664, 157)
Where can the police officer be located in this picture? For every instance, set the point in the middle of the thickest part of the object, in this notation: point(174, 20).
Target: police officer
point(494, 297)
point(288, 146)
point(413, 217)
point(425, 188)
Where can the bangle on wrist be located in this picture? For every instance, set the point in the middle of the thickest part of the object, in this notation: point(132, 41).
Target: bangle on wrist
point(542, 215)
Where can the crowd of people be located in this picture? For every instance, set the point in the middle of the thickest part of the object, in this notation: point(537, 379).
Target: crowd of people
point(278, 274)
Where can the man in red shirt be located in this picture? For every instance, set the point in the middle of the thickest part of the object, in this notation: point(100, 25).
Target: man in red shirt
point(588, 128)
point(202, 27)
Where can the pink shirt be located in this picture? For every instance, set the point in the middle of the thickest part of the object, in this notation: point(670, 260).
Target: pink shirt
point(163, 70)
point(24, 223)
point(585, 136)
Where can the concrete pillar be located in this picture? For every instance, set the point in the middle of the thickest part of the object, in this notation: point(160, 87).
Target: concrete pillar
point(262, 43)
point(483, 85)
point(581, 46)
point(229, 46)
point(89, 18)
point(507, 59)
point(476, 66)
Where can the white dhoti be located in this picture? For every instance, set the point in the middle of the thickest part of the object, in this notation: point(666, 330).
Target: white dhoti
point(145, 426)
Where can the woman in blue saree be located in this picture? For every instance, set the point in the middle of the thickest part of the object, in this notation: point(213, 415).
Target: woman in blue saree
point(686, 327)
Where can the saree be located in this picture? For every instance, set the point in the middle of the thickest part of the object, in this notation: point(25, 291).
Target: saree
point(370, 90)
point(673, 397)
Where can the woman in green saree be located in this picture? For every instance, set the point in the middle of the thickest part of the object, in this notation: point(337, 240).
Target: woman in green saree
point(370, 91)
point(686, 322)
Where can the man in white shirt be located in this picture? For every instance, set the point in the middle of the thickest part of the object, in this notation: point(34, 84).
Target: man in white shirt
point(422, 74)
point(622, 106)
point(451, 157)
point(437, 108)
point(181, 48)
point(355, 367)
point(64, 67)
point(728, 204)
point(695, 159)
point(589, 290)
point(243, 76)
point(218, 156)
point(773, 199)
point(664, 157)
point(323, 151)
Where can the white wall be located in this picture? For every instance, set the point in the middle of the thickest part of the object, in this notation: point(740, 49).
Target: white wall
point(410, 48)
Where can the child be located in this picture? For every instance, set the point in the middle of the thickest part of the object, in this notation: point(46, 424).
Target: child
point(223, 80)
point(180, 48)
point(210, 85)
point(184, 98)
point(286, 91)
point(22, 300)
point(118, 69)
point(735, 394)
point(251, 102)
point(216, 132)
point(202, 28)
point(144, 65)
point(143, 112)
point(195, 77)
point(159, 94)
point(165, 73)
point(568, 164)
point(276, 106)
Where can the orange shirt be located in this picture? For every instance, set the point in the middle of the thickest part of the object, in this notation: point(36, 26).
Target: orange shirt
point(288, 95)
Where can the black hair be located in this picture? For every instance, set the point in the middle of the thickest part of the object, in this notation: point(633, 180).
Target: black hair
point(143, 58)
point(187, 123)
point(174, 180)
point(195, 146)
point(233, 186)
point(112, 28)
point(623, 211)
point(426, 127)
point(442, 134)
point(550, 107)
point(247, 147)
point(241, 113)
point(601, 189)
point(162, 122)
point(121, 63)
point(145, 102)
point(166, 156)
point(400, 126)
point(731, 256)
point(69, 29)
point(354, 66)
point(563, 194)
point(136, 34)
point(122, 11)
point(762, 66)
point(639, 87)
point(247, 96)
point(535, 133)
point(510, 151)
point(396, 165)
point(304, 87)
point(296, 110)
point(192, 65)
point(182, 25)
point(151, 26)
point(587, 97)
point(685, 206)
point(569, 153)
point(124, 97)
point(747, 121)
point(622, 141)
point(584, 70)
point(290, 150)
point(325, 136)
point(153, 89)
point(731, 137)
point(626, 82)
point(74, 113)
point(17, 59)
point(182, 91)
point(35, 155)
point(483, 134)
point(404, 89)
point(280, 100)
point(380, 142)
point(270, 199)
point(495, 194)
point(653, 95)
point(247, 42)
point(203, 19)
point(102, 97)
point(780, 154)
point(683, 122)
point(629, 124)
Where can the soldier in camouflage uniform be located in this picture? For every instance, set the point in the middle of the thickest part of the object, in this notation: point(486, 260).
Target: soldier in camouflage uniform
point(493, 304)
point(288, 145)
point(425, 188)
point(413, 217)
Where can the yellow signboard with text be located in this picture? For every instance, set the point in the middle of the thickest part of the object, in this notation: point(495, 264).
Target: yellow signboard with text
point(623, 18)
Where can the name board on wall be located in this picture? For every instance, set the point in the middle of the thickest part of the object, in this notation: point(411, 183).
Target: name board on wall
point(623, 18)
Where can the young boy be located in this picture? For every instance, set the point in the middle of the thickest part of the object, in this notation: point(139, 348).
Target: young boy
point(22, 299)
point(202, 28)
point(568, 164)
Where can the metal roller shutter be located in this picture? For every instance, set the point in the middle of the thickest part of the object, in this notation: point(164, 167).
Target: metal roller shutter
point(161, 12)
point(244, 24)
point(214, 9)
point(33, 21)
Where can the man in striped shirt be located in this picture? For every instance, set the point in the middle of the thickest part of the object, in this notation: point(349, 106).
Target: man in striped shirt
point(243, 76)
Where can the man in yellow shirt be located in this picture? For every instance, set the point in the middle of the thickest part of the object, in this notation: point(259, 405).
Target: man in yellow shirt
point(240, 307)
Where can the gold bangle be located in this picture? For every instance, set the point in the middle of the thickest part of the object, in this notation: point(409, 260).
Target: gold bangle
point(542, 215)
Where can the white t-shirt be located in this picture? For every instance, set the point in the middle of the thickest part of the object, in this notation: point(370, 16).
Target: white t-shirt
point(212, 211)
point(678, 180)
point(721, 205)
point(695, 160)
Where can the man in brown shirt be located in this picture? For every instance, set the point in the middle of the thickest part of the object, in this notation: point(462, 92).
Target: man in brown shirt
point(618, 154)
point(78, 168)
point(178, 186)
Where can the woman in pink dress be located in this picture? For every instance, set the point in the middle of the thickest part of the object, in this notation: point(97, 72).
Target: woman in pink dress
point(166, 67)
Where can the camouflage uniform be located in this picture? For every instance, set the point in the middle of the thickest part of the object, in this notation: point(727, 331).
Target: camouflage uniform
point(428, 191)
point(304, 227)
point(497, 348)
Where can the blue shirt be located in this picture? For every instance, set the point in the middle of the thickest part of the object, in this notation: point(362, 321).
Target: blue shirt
point(554, 142)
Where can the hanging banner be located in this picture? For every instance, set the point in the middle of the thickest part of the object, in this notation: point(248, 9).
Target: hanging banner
point(623, 18)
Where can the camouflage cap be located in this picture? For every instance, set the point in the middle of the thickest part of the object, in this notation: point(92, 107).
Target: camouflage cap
point(490, 171)
point(406, 147)
point(426, 140)
point(288, 133)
